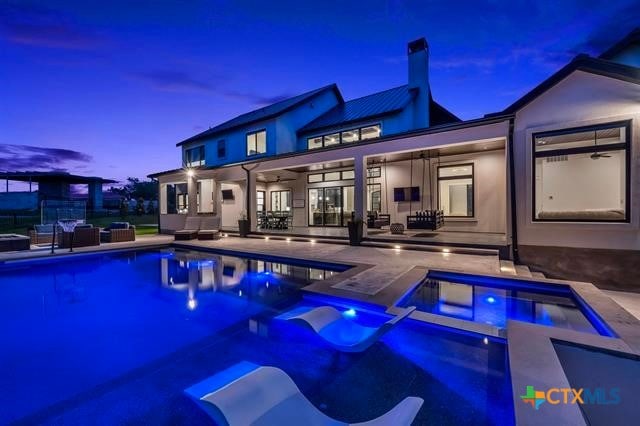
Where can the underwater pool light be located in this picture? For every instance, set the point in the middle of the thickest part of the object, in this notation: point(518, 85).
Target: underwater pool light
point(191, 304)
point(350, 313)
point(485, 341)
point(490, 300)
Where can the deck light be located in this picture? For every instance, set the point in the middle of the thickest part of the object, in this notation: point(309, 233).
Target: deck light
point(266, 238)
point(312, 241)
point(191, 304)
point(397, 247)
point(446, 250)
point(288, 240)
point(350, 313)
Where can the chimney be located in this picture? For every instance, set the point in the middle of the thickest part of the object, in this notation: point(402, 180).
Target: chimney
point(418, 51)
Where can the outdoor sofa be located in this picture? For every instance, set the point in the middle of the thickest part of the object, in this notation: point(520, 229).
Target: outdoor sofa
point(84, 235)
point(190, 230)
point(118, 232)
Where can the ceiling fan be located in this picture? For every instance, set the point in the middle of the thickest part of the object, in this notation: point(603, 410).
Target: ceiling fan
point(279, 179)
point(597, 155)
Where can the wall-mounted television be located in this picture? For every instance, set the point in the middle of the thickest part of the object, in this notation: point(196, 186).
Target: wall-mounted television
point(406, 194)
point(227, 194)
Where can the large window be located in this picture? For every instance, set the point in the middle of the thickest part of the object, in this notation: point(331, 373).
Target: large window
point(582, 174)
point(257, 142)
point(176, 199)
point(281, 201)
point(260, 201)
point(455, 190)
point(194, 156)
point(347, 136)
point(222, 149)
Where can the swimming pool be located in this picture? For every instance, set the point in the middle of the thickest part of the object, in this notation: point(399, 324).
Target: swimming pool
point(494, 301)
point(118, 336)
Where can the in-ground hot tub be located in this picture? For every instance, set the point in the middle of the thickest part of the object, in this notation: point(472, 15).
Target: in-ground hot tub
point(14, 242)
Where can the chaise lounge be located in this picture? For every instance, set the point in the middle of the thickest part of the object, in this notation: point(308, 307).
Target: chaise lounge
point(209, 228)
point(248, 394)
point(339, 332)
point(190, 231)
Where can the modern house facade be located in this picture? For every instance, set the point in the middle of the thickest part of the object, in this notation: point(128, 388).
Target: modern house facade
point(551, 181)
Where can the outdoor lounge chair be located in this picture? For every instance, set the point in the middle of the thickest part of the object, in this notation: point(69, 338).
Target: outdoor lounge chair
point(84, 235)
point(209, 228)
point(190, 231)
point(248, 394)
point(41, 234)
point(118, 232)
point(341, 333)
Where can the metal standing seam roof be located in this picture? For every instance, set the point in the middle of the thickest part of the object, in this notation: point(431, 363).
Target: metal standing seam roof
point(374, 105)
point(264, 113)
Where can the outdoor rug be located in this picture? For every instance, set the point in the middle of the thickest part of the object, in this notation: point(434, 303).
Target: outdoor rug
point(372, 280)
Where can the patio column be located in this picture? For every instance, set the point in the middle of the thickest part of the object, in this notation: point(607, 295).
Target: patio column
point(253, 205)
point(360, 190)
point(192, 195)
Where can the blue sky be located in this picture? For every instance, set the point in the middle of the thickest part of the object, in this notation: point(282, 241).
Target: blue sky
point(108, 87)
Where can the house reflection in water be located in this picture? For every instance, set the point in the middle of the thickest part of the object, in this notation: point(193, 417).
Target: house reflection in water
point(255, 280)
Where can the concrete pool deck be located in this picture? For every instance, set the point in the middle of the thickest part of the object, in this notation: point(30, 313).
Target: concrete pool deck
point(532, 358)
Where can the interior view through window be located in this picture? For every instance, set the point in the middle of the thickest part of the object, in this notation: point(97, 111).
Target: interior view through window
point(581, 174)
point(455, 189)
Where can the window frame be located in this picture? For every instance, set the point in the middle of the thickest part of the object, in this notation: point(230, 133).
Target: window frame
point(371, 175)
point(473, 187)
point(279, 192)
point(187, 159)
point(623, 146)
point(255, 133)
point(358, 130)
point(221, 143)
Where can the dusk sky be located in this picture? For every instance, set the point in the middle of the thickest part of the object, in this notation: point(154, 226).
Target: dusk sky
point(107, 88)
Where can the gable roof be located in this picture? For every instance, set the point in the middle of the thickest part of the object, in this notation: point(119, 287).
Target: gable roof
point(632, 38)
point(439, 115)
point(265, 113)
point(367, 107)
point(584, 63)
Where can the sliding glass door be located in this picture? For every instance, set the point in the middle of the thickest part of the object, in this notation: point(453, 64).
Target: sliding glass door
point(330, 206)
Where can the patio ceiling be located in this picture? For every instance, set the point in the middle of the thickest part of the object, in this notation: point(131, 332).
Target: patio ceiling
point(467, 148)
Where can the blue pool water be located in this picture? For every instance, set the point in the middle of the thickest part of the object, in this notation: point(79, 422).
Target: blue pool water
point(119, 336)
point(495, 301)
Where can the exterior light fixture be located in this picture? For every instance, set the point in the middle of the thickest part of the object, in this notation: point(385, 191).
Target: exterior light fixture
point(190, 173)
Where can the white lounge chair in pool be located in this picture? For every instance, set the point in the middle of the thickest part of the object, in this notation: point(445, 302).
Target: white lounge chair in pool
point(248, 394)
point(342, 333)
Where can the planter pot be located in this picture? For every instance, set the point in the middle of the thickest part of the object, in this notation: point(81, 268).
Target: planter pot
point(244, 228)
point(355, 232)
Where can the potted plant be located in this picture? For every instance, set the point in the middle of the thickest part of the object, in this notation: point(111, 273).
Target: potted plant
point(355, 226)
point(243, 224)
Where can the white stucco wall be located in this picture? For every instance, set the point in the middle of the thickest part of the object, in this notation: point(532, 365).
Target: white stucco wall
point(581, 99)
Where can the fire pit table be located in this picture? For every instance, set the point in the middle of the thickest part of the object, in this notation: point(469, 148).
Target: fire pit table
point(14, 242)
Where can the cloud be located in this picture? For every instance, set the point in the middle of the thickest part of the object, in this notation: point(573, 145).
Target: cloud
point(36, 26)
point(34, 158)
point(256, 99)
point(173, 81)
